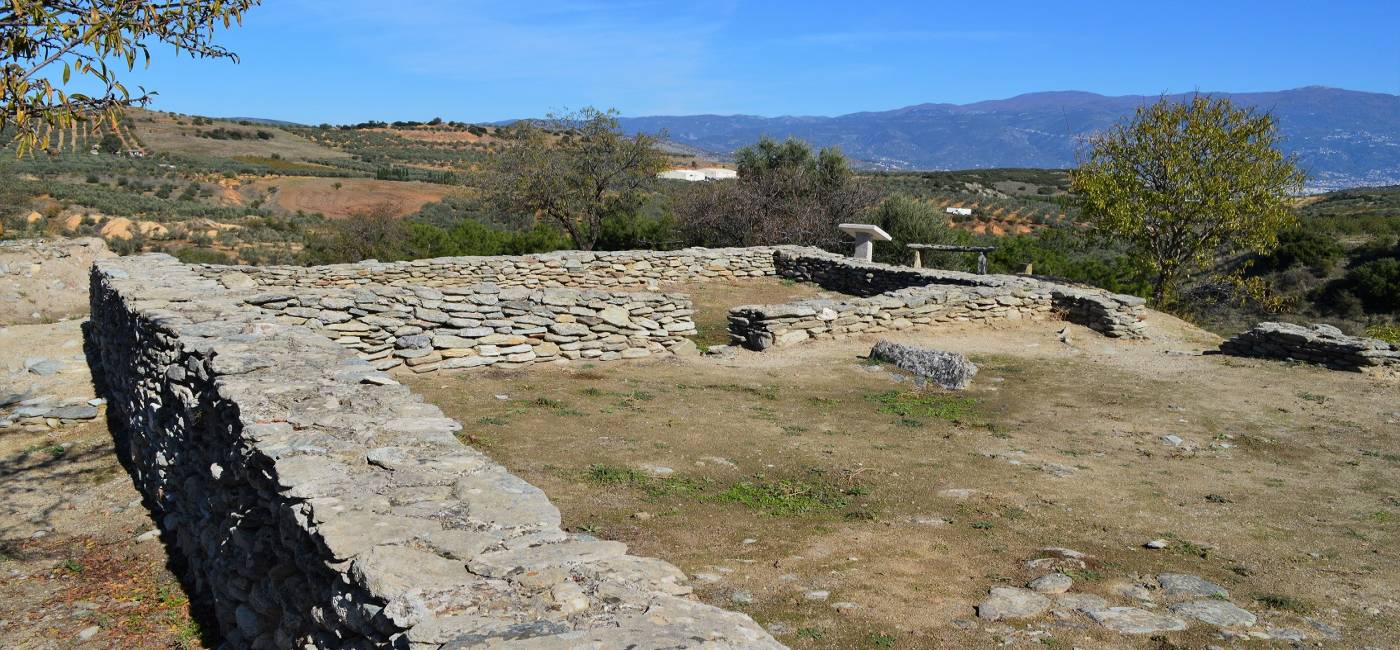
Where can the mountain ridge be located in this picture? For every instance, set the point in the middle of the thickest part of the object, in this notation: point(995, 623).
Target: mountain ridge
point(1344, 138)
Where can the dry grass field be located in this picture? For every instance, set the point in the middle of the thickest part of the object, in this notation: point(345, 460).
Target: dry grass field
point(338, 198)
point(161, 132)
point(845, 508)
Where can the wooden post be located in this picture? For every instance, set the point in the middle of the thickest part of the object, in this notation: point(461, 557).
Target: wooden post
point(981, 263)
point(918, 259)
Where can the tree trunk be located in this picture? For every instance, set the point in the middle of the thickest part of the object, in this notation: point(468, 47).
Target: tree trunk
point(1160, 286)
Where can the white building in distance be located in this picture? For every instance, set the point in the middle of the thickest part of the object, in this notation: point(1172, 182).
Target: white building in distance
point(682, 175)
point(702, 174)
point(966, 212)
point(718, 173)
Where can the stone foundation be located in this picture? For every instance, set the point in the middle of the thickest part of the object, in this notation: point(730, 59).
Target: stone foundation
point(479, 325)
point(898, 298)
point(316, 503)
point(1319, 344)
point(576, 269)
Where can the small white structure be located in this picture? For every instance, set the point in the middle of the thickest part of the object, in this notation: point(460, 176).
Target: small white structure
point(866, 234)
point(682, 175)
point(966, 212)
point(718, 173)
point(702, 174)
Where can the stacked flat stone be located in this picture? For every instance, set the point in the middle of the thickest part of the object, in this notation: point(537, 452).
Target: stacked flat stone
point(1114, 315)
point(427, 328)
point(758, 327)
point(898, 298)
point(1319, 344)
point(318, 504)
point(577, 269)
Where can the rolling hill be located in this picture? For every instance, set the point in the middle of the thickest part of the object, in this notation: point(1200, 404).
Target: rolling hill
point(1344, 138)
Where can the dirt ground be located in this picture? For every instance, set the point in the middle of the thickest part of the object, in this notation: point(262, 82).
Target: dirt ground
point(355, 195)
point(47, 288)
point(845, 509)
point(77, 567)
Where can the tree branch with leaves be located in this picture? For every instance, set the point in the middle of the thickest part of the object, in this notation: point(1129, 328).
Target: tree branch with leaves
point(46, 45)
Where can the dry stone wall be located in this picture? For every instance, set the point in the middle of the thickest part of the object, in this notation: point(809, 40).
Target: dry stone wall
point(577, 269)
point(898, 298)
point(1320, 344)
point(427, 328)
point(319, 504)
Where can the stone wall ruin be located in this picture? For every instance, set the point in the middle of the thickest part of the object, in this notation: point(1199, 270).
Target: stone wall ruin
point(318, 503)
point(1319, 344)
point(892, 298)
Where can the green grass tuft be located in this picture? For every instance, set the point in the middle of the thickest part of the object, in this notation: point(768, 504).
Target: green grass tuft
point(926, 404)
point(1283, 602)
point(789, 497)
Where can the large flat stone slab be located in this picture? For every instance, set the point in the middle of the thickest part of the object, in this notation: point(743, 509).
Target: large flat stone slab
point(1132, 620)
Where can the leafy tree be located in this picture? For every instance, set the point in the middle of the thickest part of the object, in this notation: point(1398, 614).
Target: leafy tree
point(82, 36)
point(571, 181)
point(785, 194)
point(1183, 184)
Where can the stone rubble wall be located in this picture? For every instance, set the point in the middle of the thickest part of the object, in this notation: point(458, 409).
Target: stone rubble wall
point(758, 327)
point(577, 269)
point(480, 325)
point(319, 504)
point(1319, 344)
point(897, 298)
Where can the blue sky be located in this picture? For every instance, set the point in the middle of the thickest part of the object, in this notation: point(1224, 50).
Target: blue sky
point(351, 60)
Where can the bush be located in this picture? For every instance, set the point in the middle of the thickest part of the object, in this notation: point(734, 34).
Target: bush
point(1376, 284)
point(629, 225)
point(195, 255)
point(110, 143)
point(1305, 247)
point(910, 221)
point(379, 235)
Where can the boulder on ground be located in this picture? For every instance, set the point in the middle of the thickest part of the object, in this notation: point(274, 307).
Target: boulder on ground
point(947, 369)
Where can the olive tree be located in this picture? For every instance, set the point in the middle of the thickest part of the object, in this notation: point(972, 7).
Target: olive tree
point(573, 170)
point(47, 44)
point(1185, 183)
point(785, 194)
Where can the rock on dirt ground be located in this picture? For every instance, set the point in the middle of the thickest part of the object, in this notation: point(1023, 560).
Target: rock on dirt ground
point(42, 282)
point(78, 565)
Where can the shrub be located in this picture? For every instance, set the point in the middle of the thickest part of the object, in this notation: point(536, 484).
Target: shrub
point(910, 221)
point(1376, 284)
point(110, 143)
point(1305, 247)
point(195, 255)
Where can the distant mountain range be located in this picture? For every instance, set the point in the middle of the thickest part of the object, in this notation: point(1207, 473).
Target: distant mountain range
point(1344, 138)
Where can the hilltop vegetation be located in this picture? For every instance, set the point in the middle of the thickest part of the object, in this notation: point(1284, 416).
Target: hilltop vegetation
point(1344, 138)
point(275, 193)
